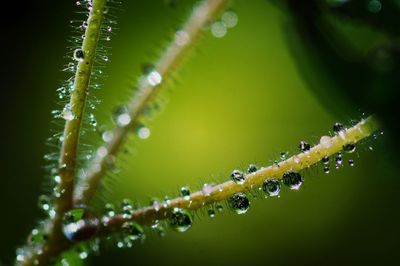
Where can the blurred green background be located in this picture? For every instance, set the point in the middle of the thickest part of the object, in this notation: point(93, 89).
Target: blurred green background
point(238, 100)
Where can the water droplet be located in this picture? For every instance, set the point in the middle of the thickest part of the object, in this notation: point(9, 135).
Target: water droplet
point(92, 120)
point(271, 187)
point(374, 6)
point(143, 132)
point(133, 230)
point(304, 146)
point(292, 179)
point(180, 220)
point(109, 209)
point(239, 203)
point(283, 155)
point(325, 160)
point(218, 29)
point(185, 193)
point(109, 28)
point(252, 168)
point(79, 224)
point(211, 213)
point(127, 209)
point(238, 177)
point(67, 113)
point(229, 18)
point(326, 169)
point(44, 203)
point(351, 162)
point(154, 78)
point(339, 160)
point(79, 55)
point(219, 207)
point(349, 148)
point(107, 136)
point(337, 127)
point(122, 117)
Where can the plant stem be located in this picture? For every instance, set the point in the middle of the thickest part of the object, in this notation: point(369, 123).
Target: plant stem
point(147, 90)
point(56, 242)
point(197, 200)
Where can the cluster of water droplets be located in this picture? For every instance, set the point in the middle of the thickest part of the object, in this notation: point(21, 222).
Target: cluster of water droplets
point(229, 19)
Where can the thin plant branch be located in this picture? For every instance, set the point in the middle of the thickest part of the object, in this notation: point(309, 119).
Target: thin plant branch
point(149, 85)
point(328, 146)
point(73, 114)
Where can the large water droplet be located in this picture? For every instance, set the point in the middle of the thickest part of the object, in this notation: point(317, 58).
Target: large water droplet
point(325, 160)
point(180, 220)
point(271, 187)
point(133, 230)
point(252, 168)
point(238, 177)
point(292, 179)
point(239, 203)
point(79, 224)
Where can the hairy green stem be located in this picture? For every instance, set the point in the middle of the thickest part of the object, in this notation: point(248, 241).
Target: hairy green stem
point(149, 86)
point(73, 114)
point(327, 147)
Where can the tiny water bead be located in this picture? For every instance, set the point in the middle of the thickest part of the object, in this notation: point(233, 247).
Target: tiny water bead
point(238, 177)
point(349, 148)
point(211, 213)
point(339, 160)
point(109, 209)
point(351, 162)
point(44, 203)
point(239, 203)
point(79, 224)
point(252, 168)
point(143, 132)
point(67, 113)
point(337, 127)
point(126, 209)
point(271, 187)
point(325, 160)
point(304, 146)
point(152, 76)
point(122, 117)
point(326, 169)
point(185, 193)
point(180, 220)
point(219, 207)
point(292, 179)
point(229, 18)
point(79, 55)
point(133, 230)
point(218, 29)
